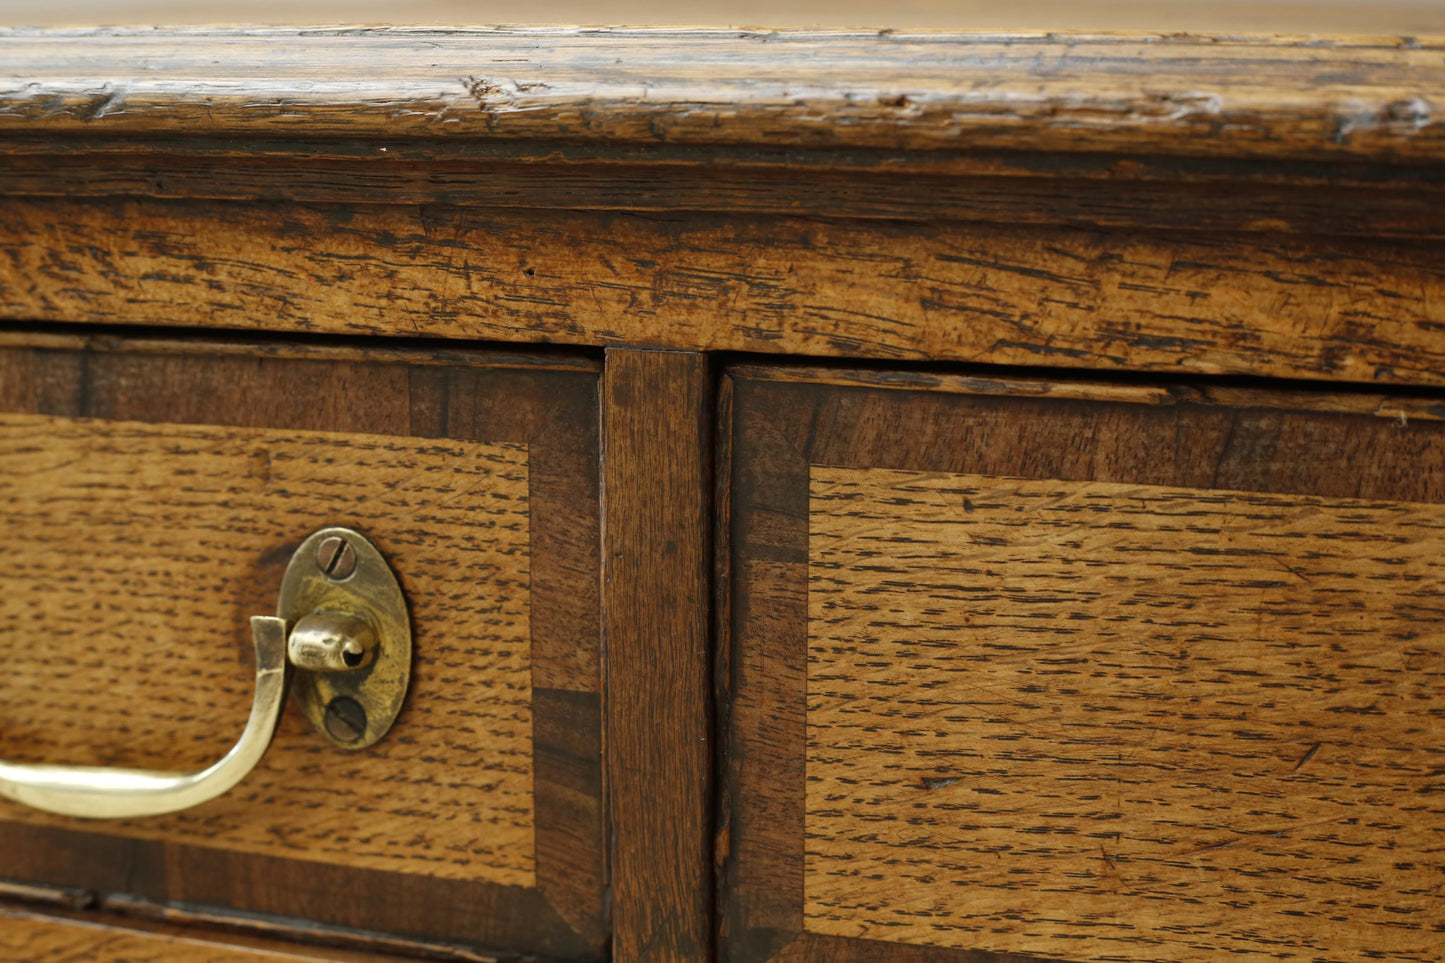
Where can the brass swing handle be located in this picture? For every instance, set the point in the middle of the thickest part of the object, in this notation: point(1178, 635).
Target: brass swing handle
point(101, 792)
point(350, 648)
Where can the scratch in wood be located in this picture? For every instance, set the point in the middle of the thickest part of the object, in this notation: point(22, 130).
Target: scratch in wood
point(1310, 754)
point(105, 101)
point(1295, 572)
point(1272, 834)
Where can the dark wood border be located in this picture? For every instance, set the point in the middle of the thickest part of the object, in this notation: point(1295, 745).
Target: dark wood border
point(657, 418)
point(1177, 195)
point(786, 418)
point(27, 933)
point(549, 403)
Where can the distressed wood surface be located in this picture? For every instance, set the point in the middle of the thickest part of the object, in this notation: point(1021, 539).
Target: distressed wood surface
point(1254, 833)
point(30, 937)
point(656, 486)
point(1293, 307)
point(152, 501)
point(1036, 708)
point(1349, 98)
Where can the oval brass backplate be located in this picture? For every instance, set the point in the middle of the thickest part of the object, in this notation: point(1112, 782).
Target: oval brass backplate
point(339, 571)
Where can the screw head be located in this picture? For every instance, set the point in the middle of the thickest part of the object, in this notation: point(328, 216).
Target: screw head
point(345, 719)
point(336, 557)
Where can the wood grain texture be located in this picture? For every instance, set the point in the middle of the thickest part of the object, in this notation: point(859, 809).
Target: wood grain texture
point(397, 449)
point(1105, 721)
point(1303, 461)
point(1189, 195)
point(219, 925)
point(202, 344)
point(1292, 307)
point(175, 520)
point(1403, 408)
point(30, 937)
point(1366, 97)
point(656, 492)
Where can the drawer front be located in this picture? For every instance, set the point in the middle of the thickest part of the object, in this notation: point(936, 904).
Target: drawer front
point(1082, 673)
point(151, 497)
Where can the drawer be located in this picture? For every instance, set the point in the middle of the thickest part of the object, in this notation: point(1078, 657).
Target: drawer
point(1081, 672)
point(151, 495)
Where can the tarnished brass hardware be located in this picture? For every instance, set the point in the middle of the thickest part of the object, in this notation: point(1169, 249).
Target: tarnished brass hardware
point(331, 642)
point(335, 557)
point(345, 719)
point(348, 659)
point(99, 792)
point(337, 589)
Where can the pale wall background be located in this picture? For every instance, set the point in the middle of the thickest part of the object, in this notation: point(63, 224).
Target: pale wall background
point(1271, 16)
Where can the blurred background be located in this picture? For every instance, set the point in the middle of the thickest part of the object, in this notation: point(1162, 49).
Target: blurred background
point(1233, 16)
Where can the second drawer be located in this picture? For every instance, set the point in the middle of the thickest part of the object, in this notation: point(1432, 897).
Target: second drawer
point(1081, 672)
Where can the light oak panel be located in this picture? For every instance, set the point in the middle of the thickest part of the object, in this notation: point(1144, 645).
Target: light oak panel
point(1102, 721)
point(135, 554)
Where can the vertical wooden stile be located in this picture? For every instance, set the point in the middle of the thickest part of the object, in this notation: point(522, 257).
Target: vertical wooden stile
point(656, 535)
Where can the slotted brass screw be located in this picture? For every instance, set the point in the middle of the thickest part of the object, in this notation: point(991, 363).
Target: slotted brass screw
point(345, 719)
point(336, 557)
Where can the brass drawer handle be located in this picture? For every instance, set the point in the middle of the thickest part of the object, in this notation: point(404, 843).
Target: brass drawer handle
point(101, 792)
point(348, 651)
